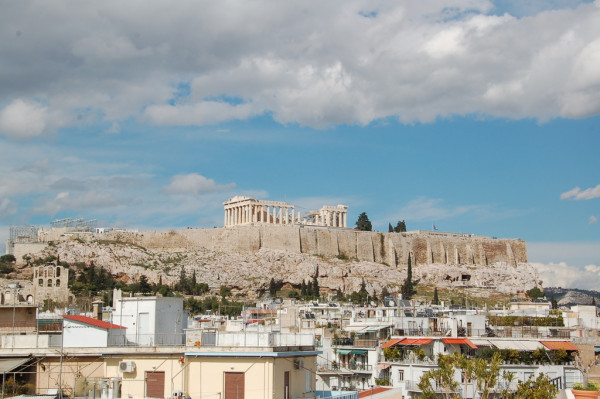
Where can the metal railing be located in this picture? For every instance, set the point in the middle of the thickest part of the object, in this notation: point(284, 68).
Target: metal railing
point(335, 366)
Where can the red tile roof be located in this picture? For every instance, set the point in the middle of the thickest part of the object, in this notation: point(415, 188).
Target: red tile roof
point(459, 341)
point(94, 322)
point(555, 345)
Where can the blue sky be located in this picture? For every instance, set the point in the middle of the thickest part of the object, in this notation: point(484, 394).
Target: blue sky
point(476, 116)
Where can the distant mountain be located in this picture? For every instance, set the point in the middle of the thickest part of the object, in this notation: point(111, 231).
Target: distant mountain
point(572, 296)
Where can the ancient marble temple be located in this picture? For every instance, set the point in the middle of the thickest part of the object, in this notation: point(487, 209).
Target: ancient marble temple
point(241, 210)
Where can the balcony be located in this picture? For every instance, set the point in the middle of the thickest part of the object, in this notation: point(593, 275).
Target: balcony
point(344, 367)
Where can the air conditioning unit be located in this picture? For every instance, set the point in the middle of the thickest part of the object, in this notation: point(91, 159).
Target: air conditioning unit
point(126, 367)
point(298, 364)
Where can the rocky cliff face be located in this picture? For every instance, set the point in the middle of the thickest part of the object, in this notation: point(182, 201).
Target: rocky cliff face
point(249, 271)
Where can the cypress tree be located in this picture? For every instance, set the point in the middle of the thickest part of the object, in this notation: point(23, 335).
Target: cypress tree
point(315, 286)
point(408, 288)
point(390, 228)
point(272, 287)
point(436, 299)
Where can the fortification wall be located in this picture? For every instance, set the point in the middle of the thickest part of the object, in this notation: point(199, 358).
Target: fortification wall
point(392, 249)
point(389, 248)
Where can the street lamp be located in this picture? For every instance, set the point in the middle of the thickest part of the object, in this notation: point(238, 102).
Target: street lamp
point(15, 287)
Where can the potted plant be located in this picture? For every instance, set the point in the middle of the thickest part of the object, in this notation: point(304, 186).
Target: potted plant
point(582, 392)
point(587, 389)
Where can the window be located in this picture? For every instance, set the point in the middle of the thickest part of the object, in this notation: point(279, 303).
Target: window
point(58, 272)
point(49, 282)
point(41, 282)
point(400, 375)
point(57, 282)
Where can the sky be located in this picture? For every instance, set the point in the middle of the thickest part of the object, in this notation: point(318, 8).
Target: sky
point(474, 116)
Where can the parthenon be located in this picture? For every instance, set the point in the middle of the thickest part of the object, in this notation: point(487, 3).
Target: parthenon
point(241, 210)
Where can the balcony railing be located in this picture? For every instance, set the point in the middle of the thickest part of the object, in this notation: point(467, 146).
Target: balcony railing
point(335, 366)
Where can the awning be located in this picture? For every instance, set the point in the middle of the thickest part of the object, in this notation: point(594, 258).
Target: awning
point(596, 348)
point(415, 341)
point(357, 352)
point(481, 342)
point(376, 328)
point(344, 351)
point(354, 328)
point(520, 345)
point(555, 345)
point(459, 341)
point(383, 366)
point(8, 365)
point(392, 342)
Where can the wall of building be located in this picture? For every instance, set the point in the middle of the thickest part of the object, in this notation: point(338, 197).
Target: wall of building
point(73, 369)
point(165, 319)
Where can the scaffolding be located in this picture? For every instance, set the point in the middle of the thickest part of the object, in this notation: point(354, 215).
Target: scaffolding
point(23, 234)
point(74, 224)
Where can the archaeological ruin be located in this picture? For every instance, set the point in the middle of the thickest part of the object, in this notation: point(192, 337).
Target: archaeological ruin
point(241, 210)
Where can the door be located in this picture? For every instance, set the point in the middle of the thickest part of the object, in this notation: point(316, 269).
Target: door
point(143, 330)
point(286, 385)
point(155, 384)
point(234, 385)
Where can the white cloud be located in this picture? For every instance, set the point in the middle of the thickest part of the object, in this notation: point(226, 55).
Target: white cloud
point(341, 63)
point(195, 184)
point(593, 220)
point(577, 194)
point(564, 275)
point(203, 113)
point(577, 254)
point(24, 119)
point(64, 200)
point(7, 207)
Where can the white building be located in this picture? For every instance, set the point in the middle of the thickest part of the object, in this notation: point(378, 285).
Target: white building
point(86, 332)
point(151, 320)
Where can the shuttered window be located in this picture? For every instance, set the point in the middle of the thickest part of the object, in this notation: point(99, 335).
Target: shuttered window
point(234, 385)
point(155, 384)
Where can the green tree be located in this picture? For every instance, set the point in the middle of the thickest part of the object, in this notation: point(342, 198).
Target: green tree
point(436, 298)
point(484, 377)
point(294, 294)
point(144, 285)
point(535, 293)
point(316, 291)
point(304, 290)
point(408, 288)
point(272, 287)
point(8, 258)
point(363, 223)
point(224, 291)
point(400, 227)
point(363, 293)
point(553, 302)
point(538, 387)
point(390, 228)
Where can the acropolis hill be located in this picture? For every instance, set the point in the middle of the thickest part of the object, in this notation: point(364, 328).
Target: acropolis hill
point(262, 241)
